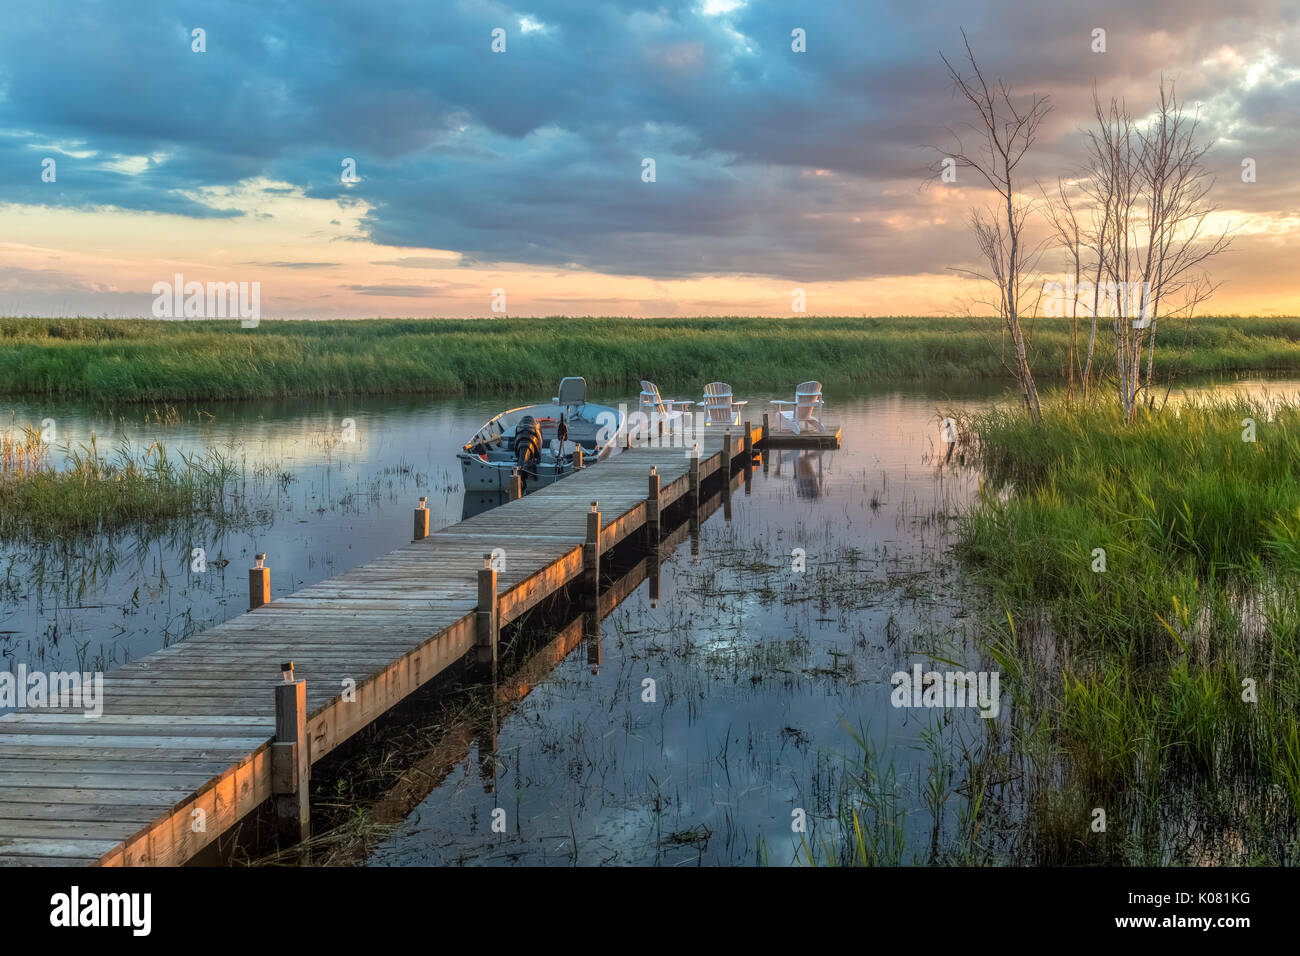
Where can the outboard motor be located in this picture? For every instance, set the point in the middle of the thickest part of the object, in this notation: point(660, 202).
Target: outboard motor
point(528, 444)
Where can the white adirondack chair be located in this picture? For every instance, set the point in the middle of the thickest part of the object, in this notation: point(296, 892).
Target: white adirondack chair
point(719, 405)
point(804, 413)
point(658, 409)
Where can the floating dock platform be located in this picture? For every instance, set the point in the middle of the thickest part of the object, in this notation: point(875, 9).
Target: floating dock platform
point(827, 436)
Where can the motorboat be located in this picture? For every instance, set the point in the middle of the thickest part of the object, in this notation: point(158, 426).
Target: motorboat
point(543, 442)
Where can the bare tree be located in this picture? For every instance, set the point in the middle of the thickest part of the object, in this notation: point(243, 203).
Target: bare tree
point(1178, 243)
point(1149, 189)
point(1061, 213)
point(1099, 184)
point(1004, 133)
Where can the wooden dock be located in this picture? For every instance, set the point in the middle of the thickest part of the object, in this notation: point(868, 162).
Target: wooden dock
point(195, 737)
point(479, 729)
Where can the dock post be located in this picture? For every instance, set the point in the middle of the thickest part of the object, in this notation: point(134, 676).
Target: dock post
point(291, 758)
point(516, 486)
point(652, 509)
point(726, 454)
point(749, 455)
point(577, 458)
point(487, 624)
point(421, 520)
point(259, 583)
point(695, 473)
point(591, 559)
point(766, 424)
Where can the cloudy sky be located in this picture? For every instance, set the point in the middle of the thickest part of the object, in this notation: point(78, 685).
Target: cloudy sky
point(523, 170)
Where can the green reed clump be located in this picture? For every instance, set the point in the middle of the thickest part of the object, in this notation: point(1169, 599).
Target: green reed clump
point(1163, 681)
point(91, 491)
point(153, 360)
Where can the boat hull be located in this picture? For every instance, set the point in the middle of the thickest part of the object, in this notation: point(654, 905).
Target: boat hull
point(489, 476)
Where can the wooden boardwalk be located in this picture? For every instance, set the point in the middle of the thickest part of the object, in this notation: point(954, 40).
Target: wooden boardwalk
point(479, 729)
point(187, 741)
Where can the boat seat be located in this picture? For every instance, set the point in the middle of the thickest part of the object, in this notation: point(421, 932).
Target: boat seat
point(572, 391)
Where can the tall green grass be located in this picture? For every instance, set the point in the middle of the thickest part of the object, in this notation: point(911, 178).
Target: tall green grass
point(1132, 684)
point(151, 360)
point(94, 492)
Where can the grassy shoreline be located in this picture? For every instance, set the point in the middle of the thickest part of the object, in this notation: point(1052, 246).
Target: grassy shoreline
point(1155, 681)
point(140, 360)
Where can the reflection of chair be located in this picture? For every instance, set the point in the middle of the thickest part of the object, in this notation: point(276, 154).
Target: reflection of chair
point(808, 475)
point(721, 408)
point(658, 409)
point(807, 466)
point(804, 414)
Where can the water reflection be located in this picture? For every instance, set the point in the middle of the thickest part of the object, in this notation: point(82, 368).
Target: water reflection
point(808, 467)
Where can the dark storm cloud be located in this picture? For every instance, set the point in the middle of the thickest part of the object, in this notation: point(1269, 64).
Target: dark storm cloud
point(535, 156)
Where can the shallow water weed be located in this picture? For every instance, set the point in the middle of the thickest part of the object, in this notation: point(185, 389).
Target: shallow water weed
point(91, 491)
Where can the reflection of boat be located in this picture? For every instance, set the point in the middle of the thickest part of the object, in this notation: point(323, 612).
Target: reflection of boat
point(542, 441)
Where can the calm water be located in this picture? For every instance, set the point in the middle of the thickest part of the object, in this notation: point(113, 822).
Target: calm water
point(764, 674)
